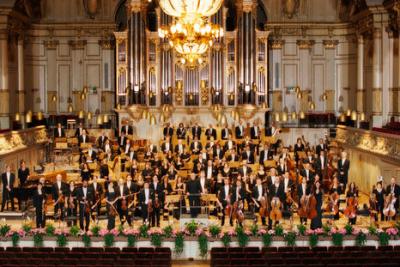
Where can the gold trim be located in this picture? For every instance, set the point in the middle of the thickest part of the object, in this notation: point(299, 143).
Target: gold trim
point(277, 44)
point(77, 44)
point(330, 44)
point(51, 44)
point(305, 44)
point(106, 44)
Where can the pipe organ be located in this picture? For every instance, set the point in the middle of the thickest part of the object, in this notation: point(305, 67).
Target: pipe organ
point(234, 71)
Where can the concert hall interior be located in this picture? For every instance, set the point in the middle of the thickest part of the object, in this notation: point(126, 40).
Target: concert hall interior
point(199, 133)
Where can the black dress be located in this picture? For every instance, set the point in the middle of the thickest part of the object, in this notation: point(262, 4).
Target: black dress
point(86, 175)
point(317, 221)
point(38, 201)
point(22, 176)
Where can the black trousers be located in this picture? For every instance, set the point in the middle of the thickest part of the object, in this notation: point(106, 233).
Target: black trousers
point(124, 216)
point(96, 210)
point(7, 196)
point(59, 211)
point(71, 213)
point(352, 221)
point(40, 218)
point(194, 202)
point(155, 217)
point(110, 222)
point(84, 218)
point(145, 212)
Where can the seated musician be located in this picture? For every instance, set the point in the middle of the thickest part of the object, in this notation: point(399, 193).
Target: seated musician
point(91, 154)
point(152, 148)
point(225, 132)
point(224, 198)
point(240, 130)
point(211, 133)
point(84, 138)
point(147, 171)
point(168, 131)
point(179, 147)
point(248, 155)
point(86, 173)
point(310, 158)
point(233, 156)
point(72, 204)
point(85, 197)
point(39, 202)
point(307, 173)
point(80, 130)
point(259, 192)
point(282, 166)
point(97, 190)
point(181, 131)
point(229, 144)
point(167, 145)
point(303, 190)
point(244, 170)
point(59, 189)
point(255, 131)
point(126, 129)
point(104, 172)
point(170, 157)
point(101, 141)
point(185, 156)
point(218, 152)
point(171, 172)
point(210, 144)
point(122, 194)
point(179, 164)
point(167, 188)
point(266, 153)
point(59, 131)
point(321, 147)
point(146, 197)
point(107, 147)
point(196, 146)
point(321, 164)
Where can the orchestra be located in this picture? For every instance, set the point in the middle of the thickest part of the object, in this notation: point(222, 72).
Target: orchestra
point(248, 175)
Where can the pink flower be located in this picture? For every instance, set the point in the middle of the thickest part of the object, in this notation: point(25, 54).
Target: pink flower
point(131, 232)
point(199, 232)
point(271, 232)
point(342, 231)
point(310, 232)
point(103, 232)
point(392, 231)
point(61, 232)
point(231, 232)
point(262, 232)
point(247, 232)
point(356, 231)
point(89, 233)
point(319, 231)
point(114, 232)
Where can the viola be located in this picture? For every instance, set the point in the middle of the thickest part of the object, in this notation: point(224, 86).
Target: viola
point(124, 205)
point(228, 208)
point(150, 206)
point(276, 213)
point(71, 203)
point(156, 202)
point(351, 209)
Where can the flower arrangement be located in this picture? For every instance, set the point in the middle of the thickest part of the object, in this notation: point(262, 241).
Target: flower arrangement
point(214, 230)
point(95, 230)
point(74, 230)
point(226, 237)
point(254, 229)
point(266, 237)
point(168, 231)
point(15, 236)
point(38, 236)
point(337, 236)
point(349, 229)
point(279, 230)
point(108, 236)
point(179, 241)
point(61, 236)
point(361, 236)
point(131, 235)
point(192, 227)
point(4, 229)
point(290, 238)
point(50, 229)
point(144, 228)
point(301, 229)
point(87, 238)
point(156, 237)
point(202, 238)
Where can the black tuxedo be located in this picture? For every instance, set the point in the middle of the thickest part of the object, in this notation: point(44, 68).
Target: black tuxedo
point(239, 132)
point(226, 146)
point(55, 192)
point(168, 131)
point(225, 133)
point(181, 133)
point(232, 158)
point(277, 191)
point(218, 154)
point(256, 194)
point(343, 169)
point(300, 192)
point(206, 186)
point(320, 148)
point(8, 195)
point(253, 132)
point(211, 132)
point(193, 187)
point(93, 155)
point(281, 169)
point(241, 170)
point(177, 148)
point(212, 172)
point(79, 131)
point(196, 132)
point(199, 147)
point(319, 164)
point(38, 200)
point(143, 204)
point(101, 141)
point(84, 216)
point(265, 155)
point(248, 157)
point(83, 139)
point(57, 134)
point(122, 141)
point(310, 177)
point(396, 191)
point(164, 147)
point(128, 130)
point(235, 196)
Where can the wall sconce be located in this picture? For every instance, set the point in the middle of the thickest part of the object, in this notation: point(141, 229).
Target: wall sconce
point(152, 120)
point(28, 117)
point(39, 116)
point(348, 112)
point(54, 98)
point(312, 105)
point(284, 116)
point(294, 115)
point(99, 120)
point(85, 90)
point(81, 114)
point(353, 115)
point(362, 116)
point(17, 117)
point(83, 96)
point(342, 117)
point(89, 115)
point(105, 118)
point(277, 116)
point(70, 108)
point(302, 115)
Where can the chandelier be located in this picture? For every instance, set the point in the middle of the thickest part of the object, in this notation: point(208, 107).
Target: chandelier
point(191, 40)
point(190, 10)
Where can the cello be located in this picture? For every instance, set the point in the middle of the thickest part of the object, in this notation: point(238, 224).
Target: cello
point(276, 213)
point(308, 207)
point(333, 204)
point(389, 210)
point(351, 208)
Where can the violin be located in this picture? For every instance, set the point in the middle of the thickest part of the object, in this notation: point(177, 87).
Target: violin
point(124, 205)
point(290, 201)
point(228, 208)
point(87, 207)
point(389, 209)
point(156, 202)
point(61, 199)
point(112, 211)
point(351, 209)
point(276, 213)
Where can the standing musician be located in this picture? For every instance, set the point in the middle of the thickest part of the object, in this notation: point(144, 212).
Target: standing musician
point(266, 154)
point(126, 129)
point(379, 193)
point(59, 131)
point(225, 132)
point(59, 191)
point(260, 195)
point(248, 155)
point(276, 193)
point(146, 197)
point(111, 198)
point(211, 132)
point(193, 190)
point(72, 204)
point(8, 179)
point(168, 131)
point(282, 166)
point(237, 198)
point(39, 202)
point(204, 183)
point(224, 198)
point(80, 130)
point(343, 169)
point(23, 174)
point(122, 203)
point(351, 200)
point(298, 147)
point(101, 141)
point(84, 196)
point(181, 132)
point(255, 131)
point(334, 192)
point(321, 164)
point(307, 173)
point(321, 147)
point(303, 190)
point(394, 189)
point(97, 190)
point(196, 146)
point(158, 202)
point(287, 188)
point(239, 130)
point(318, 193)
point(196, 131)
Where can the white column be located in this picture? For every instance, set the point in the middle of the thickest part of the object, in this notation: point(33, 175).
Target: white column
point(328, 105)
point(377, 78)
point(360, 74)
point(4, 89)
point(387, 73)
point(277, 83)
point(21, 76)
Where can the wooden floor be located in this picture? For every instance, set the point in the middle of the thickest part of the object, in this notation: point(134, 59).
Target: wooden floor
point(190, 263)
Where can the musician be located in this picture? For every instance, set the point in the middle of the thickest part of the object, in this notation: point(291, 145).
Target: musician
point(179, 147)
point(298, 147)
point(84, 138)
point(225, 132)
point(259, 191)
point(8, 179)
point(229, 144)
point(211, 133)
point(276, 190)
point(91, 154)
point(321, 164)
point(309, 158)
point(307, 173)
point(210, 170)
point(224, 198)
point(193, 190)
point(122, 140)
point(86, 173)
point(239, 130)
point(380, 200)
point(147, 171)
point(343, 169)
point(248, 155)
point(210, 145)
point(218, 152)
point(104, 172)
point(72, 204)
point(153, 148)
point(244, 170)
point(122, 203)
point(59, 131)
point(80, 130)
point(318, 193)
point(273, 176)
point(303, 190)
point(97, 191)
point(180, 189)
point(335, 188)
point(146, 197)
point(394, 189)
point(167, 188)
point(196, 146)
point(39, 201)
point(111, 198)
point(266, 154)
point(84, 197)
point(168, 131)
point(282, 166)
point(287, 182)
point(352, 191)
point(181, 131)
point(185, 156)
point(196, 131)
point(126, 129)
point(101, 141)
point(59, 189)
point(131, 186)
point(204, 183)
point(158, 190)
point(23, 174)
point(255, 131)
point(321, 147)
point(107, 147)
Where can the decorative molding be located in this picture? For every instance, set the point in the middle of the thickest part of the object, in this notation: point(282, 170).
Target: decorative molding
point(249, 5)
point(17, 140)
point(380, 144)
point(106, 44)
point(51, 44)
point(305, 44)
point(135, 6)
point(77, 44)
point(277, 44)
point(290, 8)
point(330, 44)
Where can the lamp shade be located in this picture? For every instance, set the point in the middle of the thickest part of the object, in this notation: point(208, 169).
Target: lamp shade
point(153, 120)
point(342, 117)
point(362, 116)
point(83, 96)
point(277, 116)
point(89, 115)
point(105, 118)
point(81, 114)
point(348, 112)
point(17, 117)
point(70, 108)
point(354, 115)
point(284, 116)
point(39, 116)
point(294, 115)
point(28, 117)
point(302, 115)
point(54, 98)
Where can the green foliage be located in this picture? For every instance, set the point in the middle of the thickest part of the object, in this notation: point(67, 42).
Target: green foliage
point(109, 240)
point(254, 229)
point(383, 238)
point(361, 239)
point(143, 230)
point(131, 240)
point(156, 240)
point(243, 238)
point(168, 231)
point(38, 240)
point(226, 239)
point(372, 230)
point(290, 239)
point(203, 245)
point(313, 240)
point(62, 240)
point(192, 227)
point(349, 229)
point(15, 239)
point(74, 231)
point(179, 243)
point(120, 229)
point(267, 240)
point(279, 230)
point(27, 228)
point(87, 241)
point(302, 229)
point(337, 239)
point(326, 229)
point(4, 229)
point(50, 229)
point(215, 230)
point(95, 230)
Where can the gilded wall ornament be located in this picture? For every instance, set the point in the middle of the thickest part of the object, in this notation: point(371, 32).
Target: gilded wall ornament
point(290, 7)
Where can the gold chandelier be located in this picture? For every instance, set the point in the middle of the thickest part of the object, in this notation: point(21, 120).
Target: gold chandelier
point(190, 10)
point(191, 40)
